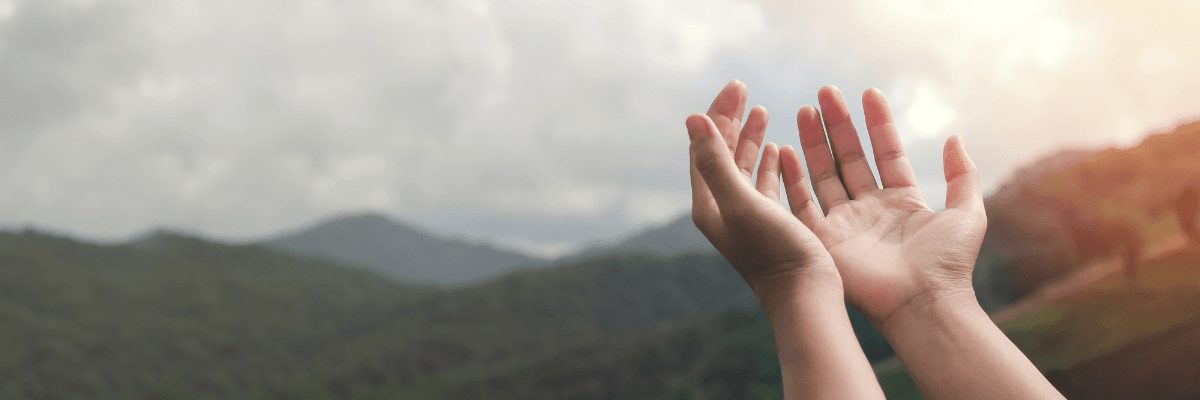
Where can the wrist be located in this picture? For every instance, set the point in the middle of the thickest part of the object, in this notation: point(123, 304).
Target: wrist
point(928, 306)
point(812, 282)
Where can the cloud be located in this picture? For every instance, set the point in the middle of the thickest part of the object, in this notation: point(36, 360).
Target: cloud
point(241, 118)
point(1018, 79)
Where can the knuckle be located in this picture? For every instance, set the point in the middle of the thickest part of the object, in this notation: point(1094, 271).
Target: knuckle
point(851, 157)
point(890, 155)
point(706, 162)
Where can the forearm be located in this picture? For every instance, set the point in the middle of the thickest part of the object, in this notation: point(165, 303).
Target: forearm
point(819, 356)
point(953, 350)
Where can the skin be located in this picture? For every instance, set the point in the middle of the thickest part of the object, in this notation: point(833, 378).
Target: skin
point(778, 256)
point(904, 266)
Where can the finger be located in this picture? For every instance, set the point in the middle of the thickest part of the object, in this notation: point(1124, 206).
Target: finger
point(768, 173)
point(727, 110)
point(962, 178)
point(726, 107)
point(715, 164)
point(704, 207)
point(796, 187)
point(894, 168)
point(851, 160)
point(821, 168)
point(750, 140)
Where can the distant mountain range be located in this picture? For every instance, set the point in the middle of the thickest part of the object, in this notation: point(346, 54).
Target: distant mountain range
point(402, 251)
point(413, 254)
point(679, 236)
point(1046, 221)
point(1062, 212)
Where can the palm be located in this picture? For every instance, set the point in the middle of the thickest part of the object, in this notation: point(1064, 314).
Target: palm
point(884, 241)
point(889, 247)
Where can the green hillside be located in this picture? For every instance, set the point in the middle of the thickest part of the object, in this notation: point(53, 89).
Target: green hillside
point(730, 355)
point(88, 321)
point(181, 318)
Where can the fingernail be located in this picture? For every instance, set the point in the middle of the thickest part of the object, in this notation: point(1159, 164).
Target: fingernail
point(695, 126)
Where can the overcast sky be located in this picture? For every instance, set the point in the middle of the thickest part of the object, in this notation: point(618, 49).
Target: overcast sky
point(539, 123)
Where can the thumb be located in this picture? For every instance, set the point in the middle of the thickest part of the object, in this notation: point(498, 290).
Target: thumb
point(962, 178)
point(712, 159)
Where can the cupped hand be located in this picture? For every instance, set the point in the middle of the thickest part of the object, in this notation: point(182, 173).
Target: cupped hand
point(765, 243)
point(890, 248)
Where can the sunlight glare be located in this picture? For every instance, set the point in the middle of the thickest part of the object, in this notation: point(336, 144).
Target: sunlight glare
point(695, 32)
point(1054, 39)
point(928, 115)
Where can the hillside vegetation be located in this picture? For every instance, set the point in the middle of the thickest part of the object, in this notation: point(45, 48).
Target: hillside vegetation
point(1079, 207)
point(174, 317)
point(190, 317)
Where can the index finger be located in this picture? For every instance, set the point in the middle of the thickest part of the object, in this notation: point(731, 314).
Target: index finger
point(727, 110)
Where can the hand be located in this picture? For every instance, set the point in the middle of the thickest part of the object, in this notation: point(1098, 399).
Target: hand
point(891, 249)
point(769, 247)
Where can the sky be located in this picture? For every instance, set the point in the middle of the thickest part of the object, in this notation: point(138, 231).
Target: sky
point(539, 124)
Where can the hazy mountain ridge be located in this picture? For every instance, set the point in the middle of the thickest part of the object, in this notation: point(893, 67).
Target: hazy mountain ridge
point(679, 236)
point(1078, 207)
point(402, 251)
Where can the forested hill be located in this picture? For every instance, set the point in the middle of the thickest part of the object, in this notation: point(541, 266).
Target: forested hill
point(86, 321)
point(1078, 207)
point(185, 318)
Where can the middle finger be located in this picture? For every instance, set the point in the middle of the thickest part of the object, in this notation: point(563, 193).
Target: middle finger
point(847, 150)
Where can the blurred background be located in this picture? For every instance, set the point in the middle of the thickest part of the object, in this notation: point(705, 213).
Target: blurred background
point(460, 199)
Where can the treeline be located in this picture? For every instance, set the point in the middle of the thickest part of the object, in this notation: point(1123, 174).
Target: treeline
point(182, 318)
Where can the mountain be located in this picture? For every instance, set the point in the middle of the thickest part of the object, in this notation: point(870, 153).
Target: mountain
point(679, 236)
point(92, 321)
point(180, 317)
point(401, 251)
point(546, 333)
point(726, 355)
point(1079, 207)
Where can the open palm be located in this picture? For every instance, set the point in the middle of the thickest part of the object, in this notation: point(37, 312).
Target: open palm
point(888, 245)
point(768, 246)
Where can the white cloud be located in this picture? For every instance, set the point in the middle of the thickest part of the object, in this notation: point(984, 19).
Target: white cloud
point(240, 118)
point(1019, 79)
point(7, 9)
